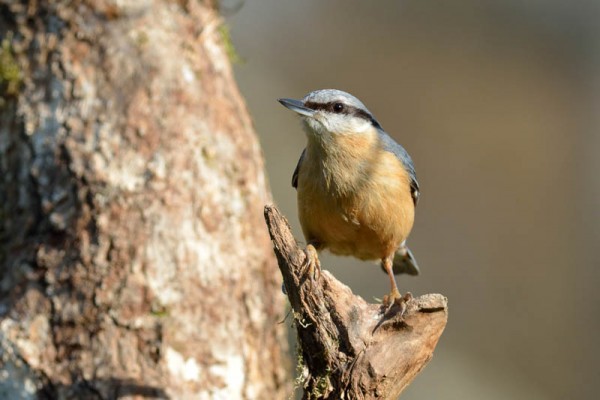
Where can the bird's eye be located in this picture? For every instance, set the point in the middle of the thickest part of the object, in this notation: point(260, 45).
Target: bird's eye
point(338, 107)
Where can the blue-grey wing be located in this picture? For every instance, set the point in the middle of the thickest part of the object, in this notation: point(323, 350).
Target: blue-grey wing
point(393, 147)
point(295, 175)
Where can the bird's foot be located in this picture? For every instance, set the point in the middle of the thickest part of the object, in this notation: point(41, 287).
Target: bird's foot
point(312, 261)
point(395, 298)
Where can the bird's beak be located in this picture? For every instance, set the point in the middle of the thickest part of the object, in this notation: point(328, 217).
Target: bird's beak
point(297, 106)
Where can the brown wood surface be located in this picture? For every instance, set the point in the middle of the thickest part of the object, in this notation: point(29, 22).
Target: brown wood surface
point(351, 349)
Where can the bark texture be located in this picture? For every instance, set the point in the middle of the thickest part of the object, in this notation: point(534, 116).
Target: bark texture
point(351, 349)
point(133, 256)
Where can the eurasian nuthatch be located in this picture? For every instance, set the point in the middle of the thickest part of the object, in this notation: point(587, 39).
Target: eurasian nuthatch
point(357, 188)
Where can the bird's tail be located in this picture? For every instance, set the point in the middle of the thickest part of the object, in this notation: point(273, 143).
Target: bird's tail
point(404, 262)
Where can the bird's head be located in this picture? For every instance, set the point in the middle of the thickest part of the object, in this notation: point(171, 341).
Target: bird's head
point(330, 112)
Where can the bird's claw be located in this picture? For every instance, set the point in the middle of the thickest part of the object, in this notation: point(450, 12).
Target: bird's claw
point(312, 261)
point(395, 298)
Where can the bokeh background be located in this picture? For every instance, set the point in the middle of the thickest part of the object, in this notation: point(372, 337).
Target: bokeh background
point(498, 104)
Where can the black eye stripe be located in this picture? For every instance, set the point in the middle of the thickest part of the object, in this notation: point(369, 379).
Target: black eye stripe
point(323, 106)
point(347, 110)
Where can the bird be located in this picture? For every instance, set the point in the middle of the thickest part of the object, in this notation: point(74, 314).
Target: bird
point(357, 188)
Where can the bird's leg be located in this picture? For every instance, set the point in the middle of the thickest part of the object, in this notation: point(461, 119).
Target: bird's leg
point(394, 297)
point(395, 293)
point(312, 260)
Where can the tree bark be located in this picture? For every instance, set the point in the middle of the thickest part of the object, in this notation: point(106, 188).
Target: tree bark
point(350, 349)
point(133, 256)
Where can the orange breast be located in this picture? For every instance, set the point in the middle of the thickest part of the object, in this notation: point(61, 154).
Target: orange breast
point(360, 207)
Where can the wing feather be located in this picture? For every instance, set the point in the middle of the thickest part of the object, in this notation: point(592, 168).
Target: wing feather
point(295, 174)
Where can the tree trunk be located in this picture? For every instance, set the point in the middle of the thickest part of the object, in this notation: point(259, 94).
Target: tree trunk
point(133, 255)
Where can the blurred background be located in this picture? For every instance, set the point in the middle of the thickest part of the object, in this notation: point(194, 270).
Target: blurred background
point(498, 104)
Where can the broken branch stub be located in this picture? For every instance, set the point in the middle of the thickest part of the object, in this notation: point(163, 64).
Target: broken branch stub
point(352, 349)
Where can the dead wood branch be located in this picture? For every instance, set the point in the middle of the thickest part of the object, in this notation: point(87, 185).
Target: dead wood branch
point(352, 349)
